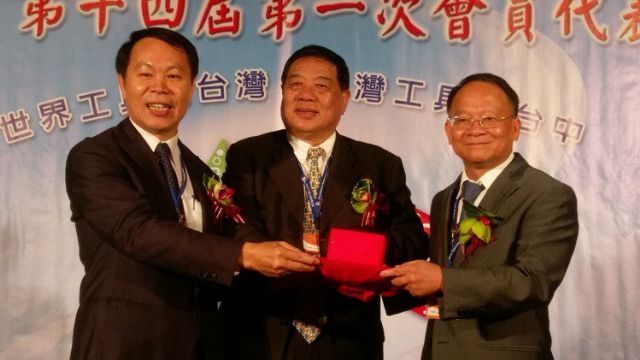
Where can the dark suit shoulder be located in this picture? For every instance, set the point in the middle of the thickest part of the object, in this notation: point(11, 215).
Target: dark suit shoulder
point(267, 139)
point(262, 148)
point(121, 143)
point(361, 147)
point(102, 139)
point(107, 138)
point(374, 160)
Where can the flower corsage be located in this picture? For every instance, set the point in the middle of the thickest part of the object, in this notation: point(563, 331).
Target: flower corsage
point(366, 199)
point(475, 230)
point(221, 197)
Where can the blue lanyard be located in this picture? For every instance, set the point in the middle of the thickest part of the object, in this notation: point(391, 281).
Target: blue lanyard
point(314, 199)
point(177, 197)
point(452, 225)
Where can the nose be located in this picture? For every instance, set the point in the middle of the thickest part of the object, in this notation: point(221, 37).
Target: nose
point(475, 126)
point(476, 121)
point(306, 94)
point(159, 84)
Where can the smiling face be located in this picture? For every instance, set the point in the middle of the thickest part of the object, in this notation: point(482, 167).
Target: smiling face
point(482, 149)
point(312, 101)
point(157, 87)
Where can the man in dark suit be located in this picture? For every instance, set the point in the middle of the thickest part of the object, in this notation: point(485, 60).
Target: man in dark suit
point(491, 302)
point(154, 271)
point(271, 173)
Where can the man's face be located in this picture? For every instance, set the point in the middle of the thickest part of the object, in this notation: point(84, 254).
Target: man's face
point(312, 101)
point(479, 148)
point(157, 87)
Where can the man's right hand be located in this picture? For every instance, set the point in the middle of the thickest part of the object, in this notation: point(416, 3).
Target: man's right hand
point(276, 258)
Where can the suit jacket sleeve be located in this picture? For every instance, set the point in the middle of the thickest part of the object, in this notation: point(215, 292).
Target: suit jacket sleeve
point(523, 267)
point(111, 198)
point(406, 239)
point(240, 176)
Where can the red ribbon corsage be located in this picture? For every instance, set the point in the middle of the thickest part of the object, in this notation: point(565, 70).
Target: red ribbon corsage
point(366, 199)
point(221, 197)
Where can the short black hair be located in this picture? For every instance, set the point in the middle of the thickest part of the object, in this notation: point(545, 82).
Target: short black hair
point(171, 37)
point(488, 78)
point(323, 53)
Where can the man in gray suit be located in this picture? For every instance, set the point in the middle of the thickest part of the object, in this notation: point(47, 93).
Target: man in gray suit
point(490, 299)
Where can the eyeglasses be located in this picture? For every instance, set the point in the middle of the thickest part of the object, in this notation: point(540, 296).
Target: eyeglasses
point(486, 122)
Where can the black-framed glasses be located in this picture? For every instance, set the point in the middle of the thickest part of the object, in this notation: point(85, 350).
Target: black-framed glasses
point(486, 122)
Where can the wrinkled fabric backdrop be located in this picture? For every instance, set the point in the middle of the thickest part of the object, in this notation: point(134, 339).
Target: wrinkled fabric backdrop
point(574, 64)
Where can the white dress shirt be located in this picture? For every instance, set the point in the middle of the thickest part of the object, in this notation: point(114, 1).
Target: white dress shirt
point(301, 148)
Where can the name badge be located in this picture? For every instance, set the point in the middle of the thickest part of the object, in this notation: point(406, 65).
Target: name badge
point(432, 312)
point(311, 243)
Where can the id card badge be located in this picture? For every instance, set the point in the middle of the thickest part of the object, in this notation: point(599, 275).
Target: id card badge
point(311, 243)
point(432, 312)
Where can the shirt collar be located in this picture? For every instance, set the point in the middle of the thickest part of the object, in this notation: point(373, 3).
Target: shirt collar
point(489, 177)
point(301, 148)
point(153, 141)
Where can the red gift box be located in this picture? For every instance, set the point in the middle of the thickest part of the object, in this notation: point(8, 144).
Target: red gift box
point(354, 261)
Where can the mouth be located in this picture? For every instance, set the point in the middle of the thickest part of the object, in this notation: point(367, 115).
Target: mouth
point(306, 113)
point(159, 108)
point(477, 143)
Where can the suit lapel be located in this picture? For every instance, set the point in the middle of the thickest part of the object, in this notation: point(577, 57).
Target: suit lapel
point(285, 173)
point(446, 223)
point(149, 171)
point(343, 175)
point(506, 183)
point(133, 144)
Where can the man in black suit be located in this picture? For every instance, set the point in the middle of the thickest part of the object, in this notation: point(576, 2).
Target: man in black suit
point(154, 272)
point(491, 301)
point(272, 175)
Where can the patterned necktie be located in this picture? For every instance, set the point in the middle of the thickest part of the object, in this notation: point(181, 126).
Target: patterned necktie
point(164, 153)
point(310, 238)
point(311, 242)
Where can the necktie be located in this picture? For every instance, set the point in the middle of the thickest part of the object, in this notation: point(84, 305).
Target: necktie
point(311, 242)
point(164, 153)
point(471, 190)
point(310, 238)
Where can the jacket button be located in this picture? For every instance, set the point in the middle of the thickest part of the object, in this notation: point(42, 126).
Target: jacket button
point(208, 276)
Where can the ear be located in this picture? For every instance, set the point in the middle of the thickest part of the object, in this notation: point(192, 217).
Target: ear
point(448, 130)
point(193, 87)
point(516, 128)
point(121, 87)
point(346, 95)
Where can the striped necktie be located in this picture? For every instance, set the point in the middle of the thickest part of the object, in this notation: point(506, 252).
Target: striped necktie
point(164, 153)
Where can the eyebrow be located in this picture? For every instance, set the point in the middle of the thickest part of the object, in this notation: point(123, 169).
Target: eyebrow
point(321, 77)
point(170, 67)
